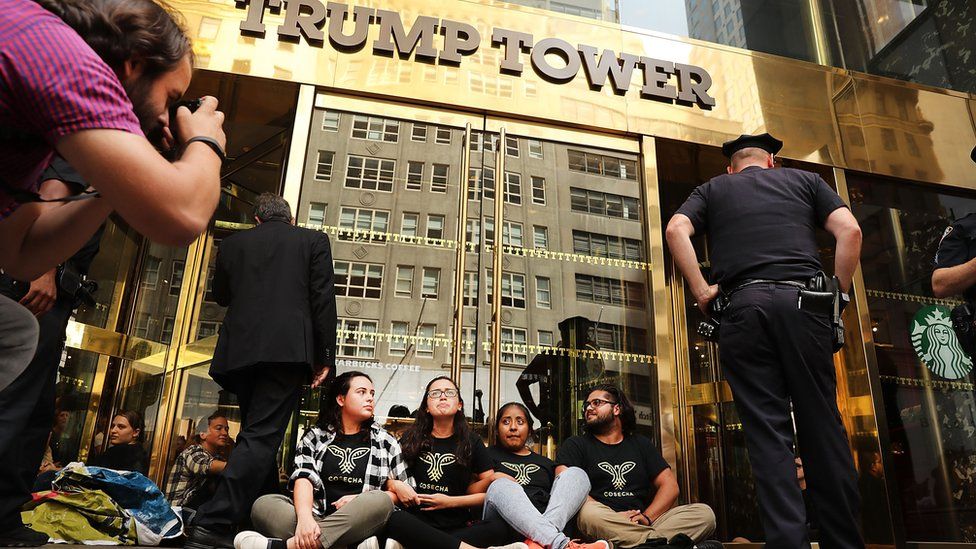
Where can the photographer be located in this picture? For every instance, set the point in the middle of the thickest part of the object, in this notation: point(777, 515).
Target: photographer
point(90, 79)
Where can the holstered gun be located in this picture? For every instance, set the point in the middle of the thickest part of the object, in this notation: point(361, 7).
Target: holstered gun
point(964, 324)
point(823, 295)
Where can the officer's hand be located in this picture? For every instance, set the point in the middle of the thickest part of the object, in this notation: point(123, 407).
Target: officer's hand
point(706, 297)
point(42, 294)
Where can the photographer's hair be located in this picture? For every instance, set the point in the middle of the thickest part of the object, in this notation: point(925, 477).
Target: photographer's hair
point(525, 412)
point(416, 439)
point(330, 413)
point(122, 30)
point(135, 421)
point(628, 417)
point(271, 206)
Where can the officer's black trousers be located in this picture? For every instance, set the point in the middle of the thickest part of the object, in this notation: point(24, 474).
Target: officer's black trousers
point(773, 354)
point(27, 415)
point(268, 395)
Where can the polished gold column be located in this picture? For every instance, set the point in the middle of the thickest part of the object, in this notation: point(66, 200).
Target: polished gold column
point(861, 352)
point(461, 237)
point(495, 372)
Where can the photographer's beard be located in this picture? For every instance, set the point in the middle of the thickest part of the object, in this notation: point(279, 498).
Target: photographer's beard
point(138, 90)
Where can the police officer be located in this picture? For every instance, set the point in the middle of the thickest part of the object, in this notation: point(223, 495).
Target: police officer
point(774, 349)
point(955, 270)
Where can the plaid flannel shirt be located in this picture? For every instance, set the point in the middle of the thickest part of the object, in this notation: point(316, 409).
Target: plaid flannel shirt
point(189, 473)
point(385, 462)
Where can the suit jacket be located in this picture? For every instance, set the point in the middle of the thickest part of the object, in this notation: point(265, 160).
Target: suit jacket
point(277, 282)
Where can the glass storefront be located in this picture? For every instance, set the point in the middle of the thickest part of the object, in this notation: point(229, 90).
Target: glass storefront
point(926, 381)
point(913, 40)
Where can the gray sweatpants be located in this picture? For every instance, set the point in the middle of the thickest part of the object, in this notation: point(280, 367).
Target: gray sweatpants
point(18, 340)
point(274, 515)
point(507, 499)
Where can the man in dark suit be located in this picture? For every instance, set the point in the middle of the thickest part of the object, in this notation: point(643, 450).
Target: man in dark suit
point(276, 281)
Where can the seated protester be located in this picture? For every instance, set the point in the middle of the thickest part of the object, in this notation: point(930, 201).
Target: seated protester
point(633, 489)
point(526, 492)
point(126, 452)
point(194, 475)
point(451, 469)
point(342, 466)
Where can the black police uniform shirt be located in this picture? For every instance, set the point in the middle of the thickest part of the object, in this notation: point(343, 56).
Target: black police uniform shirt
point(761, 223)
point(621, 475)
point(438, 472)
point(958, 245)
point(535, 473)
point(344, 467)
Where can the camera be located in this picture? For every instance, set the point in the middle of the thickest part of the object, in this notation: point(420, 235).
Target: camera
point(174, 153)
point(192, 104)
point(76, 285)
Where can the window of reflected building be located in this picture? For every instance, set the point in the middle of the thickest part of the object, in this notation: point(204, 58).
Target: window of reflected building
point(926, 381)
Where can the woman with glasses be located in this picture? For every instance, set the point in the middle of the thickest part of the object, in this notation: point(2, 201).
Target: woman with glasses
point(449, 471)
point(342, 467)
point(526, 492)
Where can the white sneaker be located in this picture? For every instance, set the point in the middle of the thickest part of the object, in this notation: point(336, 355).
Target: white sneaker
point(516, 545)
point(249, 539)
point(369, 543)
point(393, 544)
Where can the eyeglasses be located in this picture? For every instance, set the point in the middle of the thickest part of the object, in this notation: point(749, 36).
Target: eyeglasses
point(596, 403)
point(438, 393)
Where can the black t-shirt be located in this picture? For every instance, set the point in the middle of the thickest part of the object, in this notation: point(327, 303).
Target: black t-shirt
point(761, 223)
point(123, 457)
point(438, 471)
point(535, 473)
point(344, 467)
point(621, 475)
point(958, 245)
point(60, 169)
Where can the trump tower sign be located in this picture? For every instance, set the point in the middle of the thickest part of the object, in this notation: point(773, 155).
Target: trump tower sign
point(553, 59)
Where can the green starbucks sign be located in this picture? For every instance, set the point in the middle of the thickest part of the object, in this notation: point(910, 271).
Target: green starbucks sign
point(936, 345)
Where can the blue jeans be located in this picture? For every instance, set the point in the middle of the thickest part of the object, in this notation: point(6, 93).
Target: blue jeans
point(507, 500)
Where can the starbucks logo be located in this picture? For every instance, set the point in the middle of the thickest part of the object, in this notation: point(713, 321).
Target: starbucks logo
point(936, 344)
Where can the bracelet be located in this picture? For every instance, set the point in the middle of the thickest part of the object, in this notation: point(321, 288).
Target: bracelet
point(649, 521)
point(210, 142)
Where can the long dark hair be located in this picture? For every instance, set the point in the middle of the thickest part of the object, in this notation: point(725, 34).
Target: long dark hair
point(501, 412)
point(330, 413)
point(628, 417)
point(135, 421)
point(416, 439)
point(120, 30)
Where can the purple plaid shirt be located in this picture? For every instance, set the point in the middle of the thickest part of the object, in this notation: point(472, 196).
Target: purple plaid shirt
point(52, 84)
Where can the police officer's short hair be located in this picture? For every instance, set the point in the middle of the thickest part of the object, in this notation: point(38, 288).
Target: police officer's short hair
point(749, 152)
point(271, 206)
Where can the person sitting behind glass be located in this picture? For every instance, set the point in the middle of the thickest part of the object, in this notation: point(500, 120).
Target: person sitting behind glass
point(192, 479)
point(125, 452)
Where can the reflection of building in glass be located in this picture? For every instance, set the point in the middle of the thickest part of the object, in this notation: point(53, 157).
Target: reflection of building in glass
point(603, 10)
point(386, 190)
point(716, 21)
point(918, 41)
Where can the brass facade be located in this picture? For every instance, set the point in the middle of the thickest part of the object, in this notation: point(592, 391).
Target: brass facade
point(838, 120)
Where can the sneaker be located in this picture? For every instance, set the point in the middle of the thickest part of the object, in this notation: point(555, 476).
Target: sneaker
point(516, 545)
point(249, 539)
point(368, 543)
point(393, 544)
point(709, 544)
point(598, 544)
point(22, 536)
